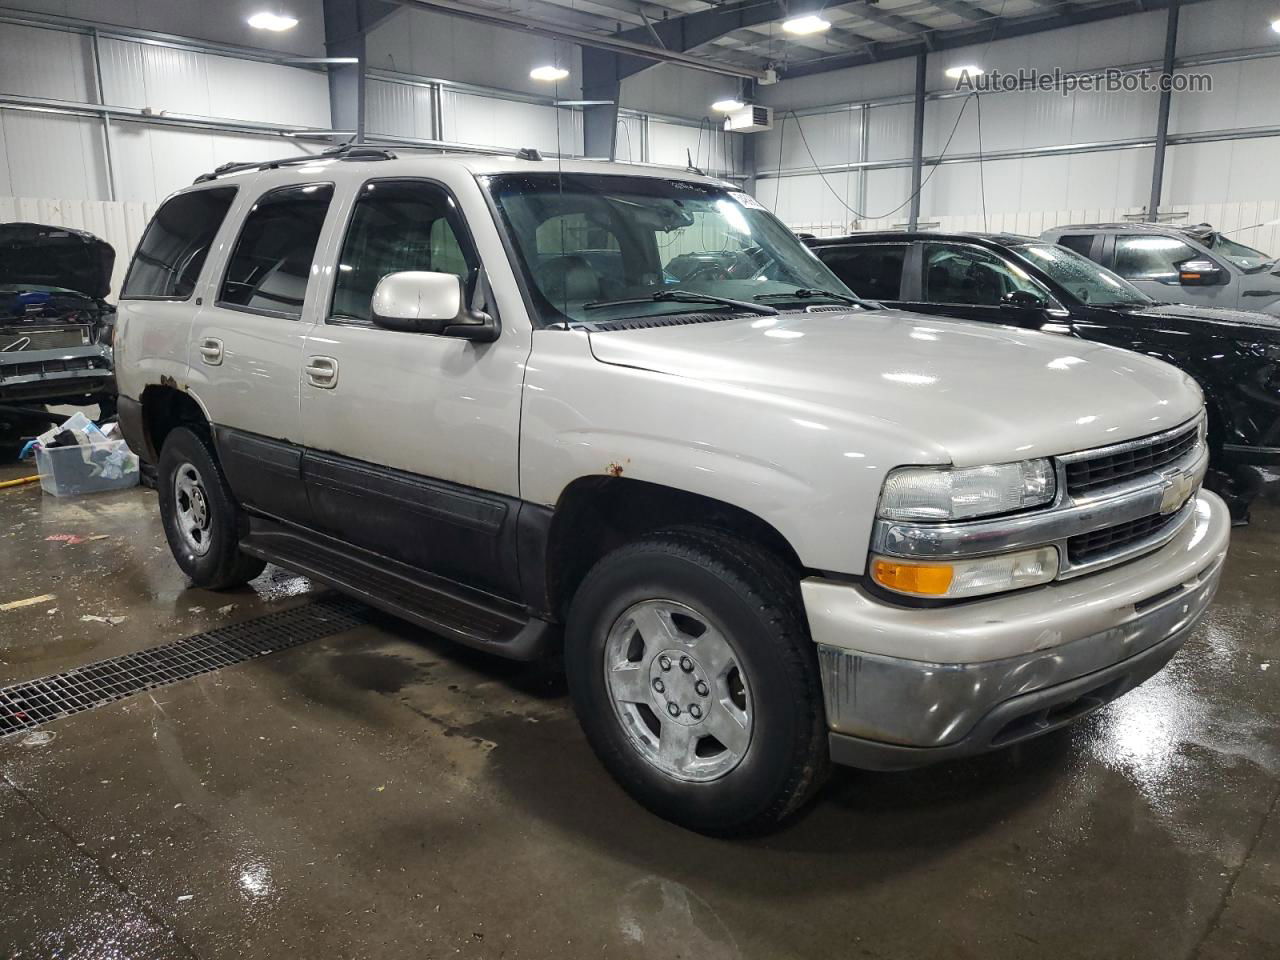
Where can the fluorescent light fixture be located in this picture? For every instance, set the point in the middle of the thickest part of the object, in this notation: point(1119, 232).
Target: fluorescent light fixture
point(955, 73)
point(548, 73)
point(1275, 25)
point(728, 106)
point(266, 20)
point(809, 23)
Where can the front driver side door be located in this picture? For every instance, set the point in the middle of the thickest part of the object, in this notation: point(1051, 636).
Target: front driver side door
point(1150, 262)
point(970, 282)
point(413, 438)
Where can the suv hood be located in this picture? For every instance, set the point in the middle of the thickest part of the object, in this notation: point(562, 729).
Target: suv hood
point(971, 392)
point(38, 255)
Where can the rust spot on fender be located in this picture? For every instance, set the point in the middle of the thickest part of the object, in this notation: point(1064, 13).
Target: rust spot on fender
point(168, 381)
point(615, 469)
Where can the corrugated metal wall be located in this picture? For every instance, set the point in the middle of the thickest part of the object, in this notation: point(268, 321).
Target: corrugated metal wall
point(1220, 176)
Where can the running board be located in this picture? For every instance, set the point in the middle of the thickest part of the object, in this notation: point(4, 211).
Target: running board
point(467, 616)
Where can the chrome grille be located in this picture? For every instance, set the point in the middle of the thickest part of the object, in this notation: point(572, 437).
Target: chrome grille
point(1088, 474)
point(1086, 547)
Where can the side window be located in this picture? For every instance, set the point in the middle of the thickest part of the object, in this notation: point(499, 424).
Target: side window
point(1151, 258)
point(873, 271)
point(968, 275)
point(397, 225)
point(175, 245)
point(272, 259)
point(1081, 243)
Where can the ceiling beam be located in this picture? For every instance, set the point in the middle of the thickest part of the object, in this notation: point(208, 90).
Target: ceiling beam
point(962, 9)
point(1003, 29)
point(618, 44)
point(911, 28)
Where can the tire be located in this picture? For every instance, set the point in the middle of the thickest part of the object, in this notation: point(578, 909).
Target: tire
point(202, 521)
point(694, 592)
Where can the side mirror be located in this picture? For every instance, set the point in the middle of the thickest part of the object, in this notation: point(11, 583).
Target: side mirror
point(1200, 273)
point(419, 301)
point(1023, 300)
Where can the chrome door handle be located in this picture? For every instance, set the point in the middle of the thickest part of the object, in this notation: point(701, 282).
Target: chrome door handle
point(322, 372)
point(211, 351)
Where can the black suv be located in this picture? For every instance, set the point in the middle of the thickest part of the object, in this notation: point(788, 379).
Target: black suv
point(1025, 282)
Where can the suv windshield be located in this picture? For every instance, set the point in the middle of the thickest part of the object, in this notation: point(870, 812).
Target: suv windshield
point(599, 247)
point(1082, 278)
point(1246, 258)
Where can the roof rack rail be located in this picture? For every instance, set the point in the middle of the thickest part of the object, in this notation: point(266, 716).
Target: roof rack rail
point(528, 153)
point(348, 151)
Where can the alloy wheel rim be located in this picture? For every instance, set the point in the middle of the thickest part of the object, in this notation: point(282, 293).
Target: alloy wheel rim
point(679, 690)
point(191, 509)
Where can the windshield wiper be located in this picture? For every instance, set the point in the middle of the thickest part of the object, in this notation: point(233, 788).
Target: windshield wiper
point(683, 296)
point(804, 293)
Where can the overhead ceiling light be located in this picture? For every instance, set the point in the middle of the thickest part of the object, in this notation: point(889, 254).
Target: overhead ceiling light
point(548, 73)
point(266, 20)
point(955, 73)
point(809, 23)
point(728, 106)
point(1275, 25)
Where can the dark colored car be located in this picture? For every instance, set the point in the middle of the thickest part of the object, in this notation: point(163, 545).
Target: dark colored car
point(1020, 281)
point(55, 327)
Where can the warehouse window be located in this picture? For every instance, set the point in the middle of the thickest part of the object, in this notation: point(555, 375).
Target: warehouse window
point(396, 226)
point(271, 262)
point(174, 248)
point(1151, 258)
point(873, 270)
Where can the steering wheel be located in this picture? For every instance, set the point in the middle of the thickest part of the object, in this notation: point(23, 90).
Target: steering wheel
point(709, 271)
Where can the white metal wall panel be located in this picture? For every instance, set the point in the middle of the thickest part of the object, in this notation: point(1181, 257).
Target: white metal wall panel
point(487, 121)
point(182, 81)
point(890, 132)
point(1224, 25)
point(53, 156)
point(833, 138)
point(398, 109)
point(712, 149)
point(1097, 116)
point(45, 63)
point(677, 91)
point(267, 92)
point(436, 45)
point(630, 138)
point(1222, 172)
point(1243, 95)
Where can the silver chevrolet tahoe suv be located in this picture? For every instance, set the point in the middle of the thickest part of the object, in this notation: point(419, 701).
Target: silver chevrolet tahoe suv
point(623, 415)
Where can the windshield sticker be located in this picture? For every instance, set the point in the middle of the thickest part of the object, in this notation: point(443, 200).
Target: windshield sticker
point(748, 201)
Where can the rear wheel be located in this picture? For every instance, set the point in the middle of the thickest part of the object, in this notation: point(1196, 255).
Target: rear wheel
point(202, 521)
point(696, 682)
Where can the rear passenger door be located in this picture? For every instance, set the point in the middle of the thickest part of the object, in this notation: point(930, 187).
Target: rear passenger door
point(246, 344)
point(871, 270)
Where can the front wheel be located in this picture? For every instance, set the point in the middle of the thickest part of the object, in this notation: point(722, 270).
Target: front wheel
point(201, 519)
point(696, 682)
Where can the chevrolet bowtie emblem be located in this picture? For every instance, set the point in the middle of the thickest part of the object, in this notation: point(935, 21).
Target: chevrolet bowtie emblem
point(1178, 488)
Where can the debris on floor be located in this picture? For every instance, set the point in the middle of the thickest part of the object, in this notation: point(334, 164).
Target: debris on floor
point(93, 618)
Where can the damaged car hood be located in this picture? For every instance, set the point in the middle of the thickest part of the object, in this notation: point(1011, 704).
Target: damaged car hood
point(981, 393)
point(37, 255)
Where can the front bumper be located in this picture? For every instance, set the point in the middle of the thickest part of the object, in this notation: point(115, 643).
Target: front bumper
point(907, 686)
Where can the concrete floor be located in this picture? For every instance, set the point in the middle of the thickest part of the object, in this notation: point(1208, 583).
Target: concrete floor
point(384, 794)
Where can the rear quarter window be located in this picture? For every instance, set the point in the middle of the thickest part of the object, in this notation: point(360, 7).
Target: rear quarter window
point(175, 245)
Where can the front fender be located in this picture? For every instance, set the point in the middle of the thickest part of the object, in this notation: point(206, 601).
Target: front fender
point(812, 473)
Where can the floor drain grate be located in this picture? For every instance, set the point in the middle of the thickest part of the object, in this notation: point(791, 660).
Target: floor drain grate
point(33, 702)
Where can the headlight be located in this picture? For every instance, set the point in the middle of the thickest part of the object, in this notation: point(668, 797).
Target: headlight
point(928, 493)
point(952, 580)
